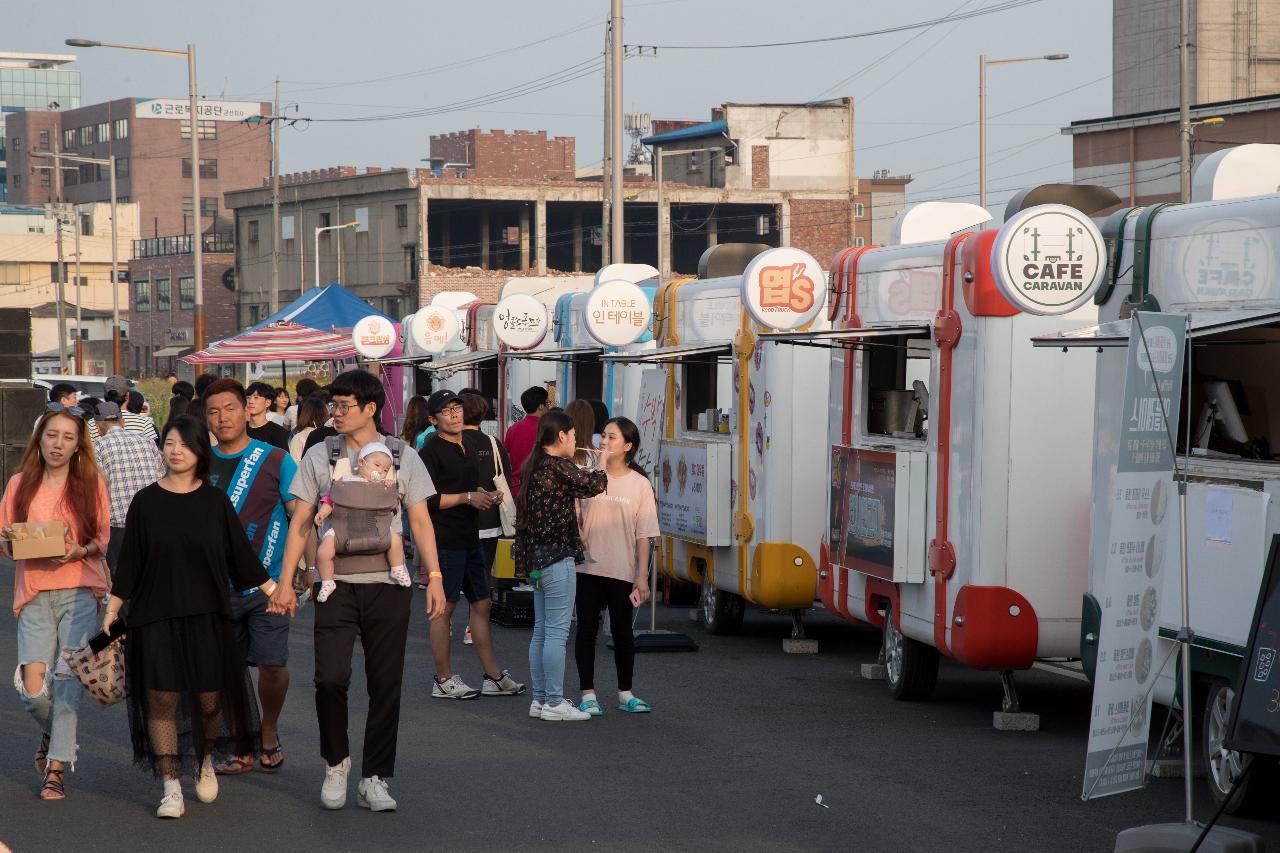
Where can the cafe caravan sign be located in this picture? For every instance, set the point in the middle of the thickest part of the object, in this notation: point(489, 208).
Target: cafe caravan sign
point(1048, 259)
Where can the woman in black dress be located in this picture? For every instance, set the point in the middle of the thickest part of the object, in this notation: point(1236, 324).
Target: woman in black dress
point(184, 548)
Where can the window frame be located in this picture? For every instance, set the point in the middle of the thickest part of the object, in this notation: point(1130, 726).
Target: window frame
point(186, 292)
point(163, 294)
point(142, 295)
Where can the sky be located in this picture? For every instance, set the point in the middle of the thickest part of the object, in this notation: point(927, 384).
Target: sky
point(915, 91)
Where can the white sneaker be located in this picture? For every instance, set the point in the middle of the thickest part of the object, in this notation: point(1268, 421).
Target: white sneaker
point(466, 636)
point(503, 685)
point(564, 711)
point(535, 709)
point(172, 806)
point(453, 687)
point(372, 794)
point(333, 793)
point(207, 784)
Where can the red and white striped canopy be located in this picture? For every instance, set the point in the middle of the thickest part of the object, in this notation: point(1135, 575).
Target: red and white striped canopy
point(279, 341)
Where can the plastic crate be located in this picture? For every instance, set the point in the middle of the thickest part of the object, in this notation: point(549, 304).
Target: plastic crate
point(512, 609)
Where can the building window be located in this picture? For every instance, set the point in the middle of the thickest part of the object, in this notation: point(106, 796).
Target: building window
point(122, 167)
point(186, 292)
point(86, 135)
point(208, 130)
point(286, 227)
point(255, 314)
point(44, 177)
point(208, 207)
point(15, 143)
point(88, 173)
point(86, 225)
point(858, 241)
point(121, 128)
point(142, 295)
point(69, 138)
point(858, 210)
point(325, 220)
point(162, 294)
point(391, 306)
point(44, 140)
point(402, 216)
point(208, 168)
point(410, 263)
point(17, 182)
point(252, 231)
point(103, 132)
point(694, 165)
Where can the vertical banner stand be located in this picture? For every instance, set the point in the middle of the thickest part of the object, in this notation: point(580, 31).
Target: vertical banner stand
point(652, 639)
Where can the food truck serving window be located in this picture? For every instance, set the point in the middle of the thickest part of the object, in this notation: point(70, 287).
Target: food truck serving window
point(895, 391)
point(1232, 395)
point(707, 393)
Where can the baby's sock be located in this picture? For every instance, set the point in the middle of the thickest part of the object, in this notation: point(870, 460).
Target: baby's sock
point(326, 589)
point(625, 696)
point(172, 786)
point(400, 575)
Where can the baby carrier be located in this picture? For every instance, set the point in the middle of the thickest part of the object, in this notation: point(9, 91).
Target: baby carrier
point(362, 514)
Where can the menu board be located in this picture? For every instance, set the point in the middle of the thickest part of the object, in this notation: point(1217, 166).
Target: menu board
point(864, 503)
point(693, 491)
point(1255, 718)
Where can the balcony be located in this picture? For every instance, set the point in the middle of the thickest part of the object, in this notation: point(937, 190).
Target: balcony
point(159, 247)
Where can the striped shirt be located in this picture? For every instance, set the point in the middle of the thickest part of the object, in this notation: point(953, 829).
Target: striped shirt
point(140, 424)
point(130, 462)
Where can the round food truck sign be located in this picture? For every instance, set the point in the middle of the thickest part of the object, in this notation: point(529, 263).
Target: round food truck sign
point(433, 328)
point(784, 288)
point(520, 321)
point(617, 313)
point(373, 336)
point(1048, 259)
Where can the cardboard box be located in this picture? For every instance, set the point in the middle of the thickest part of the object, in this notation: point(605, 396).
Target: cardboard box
point(38, 540)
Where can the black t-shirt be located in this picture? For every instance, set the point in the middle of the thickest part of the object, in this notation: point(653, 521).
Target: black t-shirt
point(453, 471)
point(272, 433)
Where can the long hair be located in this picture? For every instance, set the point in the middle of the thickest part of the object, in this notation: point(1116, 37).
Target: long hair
point(80, 497)
point(275, 401)
point(631, 435)
point(195, 436)
point(312, 412)
point(415, 418)
point(550, 425)
point(584, 422)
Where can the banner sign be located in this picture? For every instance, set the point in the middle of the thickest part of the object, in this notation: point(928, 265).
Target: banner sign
point(1142, 505)
point(863, 504)
point(784, 288)
point(433, 328)
point(1255, 717)
point(1048, 259)
point(180, 108)
point(617, 313)
point(651, 415)
point(693, 491)
point(520, 321)
point(373, 336)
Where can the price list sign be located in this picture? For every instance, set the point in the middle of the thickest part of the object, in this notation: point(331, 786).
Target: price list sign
point(1255, 717)
point(1142, 505)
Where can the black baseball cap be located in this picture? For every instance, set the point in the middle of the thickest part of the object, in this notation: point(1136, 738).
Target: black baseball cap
point(437, 402)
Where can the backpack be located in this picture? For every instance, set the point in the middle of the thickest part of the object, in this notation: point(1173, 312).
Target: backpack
point(362, 513)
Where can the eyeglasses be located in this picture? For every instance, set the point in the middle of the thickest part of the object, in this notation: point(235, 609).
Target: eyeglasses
point(343, 408)
point(58, 407)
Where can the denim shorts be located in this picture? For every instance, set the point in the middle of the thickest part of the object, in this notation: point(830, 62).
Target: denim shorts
point(464, 572)
point(263, 637)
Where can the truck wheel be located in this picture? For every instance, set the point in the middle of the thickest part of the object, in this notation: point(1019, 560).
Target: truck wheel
point(911, 667)
point(1224, 766)
point(721, 611)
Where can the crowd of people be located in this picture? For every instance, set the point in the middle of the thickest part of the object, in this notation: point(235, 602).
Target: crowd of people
point(203, 538)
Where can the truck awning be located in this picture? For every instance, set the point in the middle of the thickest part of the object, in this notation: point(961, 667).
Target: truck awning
point(461, 361)
point(1203, 324)
point(840, 337)
point(565, 354)
point(666, 355)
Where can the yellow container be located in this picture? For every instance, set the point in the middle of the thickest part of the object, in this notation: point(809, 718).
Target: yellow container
point(503, 566)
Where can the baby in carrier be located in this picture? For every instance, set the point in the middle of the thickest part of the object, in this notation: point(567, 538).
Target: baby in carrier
point(356, 519)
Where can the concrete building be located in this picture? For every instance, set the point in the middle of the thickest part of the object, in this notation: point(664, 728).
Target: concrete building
point(33, 81)
point(520, 155)
point(879, 199)
point(1138, 155)
point(151, 140)
point(93, 329)
point(1235, 52)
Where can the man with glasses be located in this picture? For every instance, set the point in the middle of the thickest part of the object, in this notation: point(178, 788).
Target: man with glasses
point(370, 606)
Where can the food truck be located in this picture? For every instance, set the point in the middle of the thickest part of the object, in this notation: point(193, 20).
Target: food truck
point(947, 427)
point(735, 420)
point(1210, 264)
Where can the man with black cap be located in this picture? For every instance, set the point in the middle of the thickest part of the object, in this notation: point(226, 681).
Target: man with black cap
point(450, 455)
point(130, 462)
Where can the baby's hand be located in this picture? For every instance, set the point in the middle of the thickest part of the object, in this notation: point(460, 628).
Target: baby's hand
point(324, 512)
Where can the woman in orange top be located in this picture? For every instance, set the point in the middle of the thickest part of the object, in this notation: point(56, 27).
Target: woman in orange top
point(56, 600)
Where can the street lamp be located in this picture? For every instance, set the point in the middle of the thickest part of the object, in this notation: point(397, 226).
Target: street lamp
point(197, 254)
point(664, 226)
point(320, 230)
point(983, 62)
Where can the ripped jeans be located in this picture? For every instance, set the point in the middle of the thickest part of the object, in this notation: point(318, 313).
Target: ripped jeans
point(54, 620)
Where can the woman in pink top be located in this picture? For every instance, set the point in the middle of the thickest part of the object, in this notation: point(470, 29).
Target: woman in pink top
point(618, 527)
point(56, 600)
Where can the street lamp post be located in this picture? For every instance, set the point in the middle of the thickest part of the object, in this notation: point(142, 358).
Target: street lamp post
point(983, 62)
point(320, 230)
point(197, 247)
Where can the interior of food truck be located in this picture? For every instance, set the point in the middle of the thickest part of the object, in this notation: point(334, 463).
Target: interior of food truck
point(1233, 398)
point(896, 385)
point(708, 393)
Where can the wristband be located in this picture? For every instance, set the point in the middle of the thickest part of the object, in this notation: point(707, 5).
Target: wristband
point(435, 575)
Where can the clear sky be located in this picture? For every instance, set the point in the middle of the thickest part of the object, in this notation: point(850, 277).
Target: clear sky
point(915, 92)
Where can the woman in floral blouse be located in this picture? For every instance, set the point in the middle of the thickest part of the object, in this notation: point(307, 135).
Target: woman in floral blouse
point(546, 548)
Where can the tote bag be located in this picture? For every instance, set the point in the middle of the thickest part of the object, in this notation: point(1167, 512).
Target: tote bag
point(506, 509)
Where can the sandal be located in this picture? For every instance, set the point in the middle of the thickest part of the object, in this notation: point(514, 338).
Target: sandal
point(635, 706)
point(591, 706)
point(276, 751)
point(233, 766)
point(53, 789)
point(42, 755)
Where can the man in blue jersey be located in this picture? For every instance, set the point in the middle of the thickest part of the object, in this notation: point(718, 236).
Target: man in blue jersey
point(256, 476)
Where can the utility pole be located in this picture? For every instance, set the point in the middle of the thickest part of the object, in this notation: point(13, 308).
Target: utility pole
point(78, 343)
point(1184, 107)
point(197, 241)
point(116, 355)
point(275, 203)
point(615, 131)
point(606, 180)
point(60, 295)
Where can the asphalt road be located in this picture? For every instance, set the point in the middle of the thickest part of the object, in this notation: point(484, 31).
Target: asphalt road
point(741, 741)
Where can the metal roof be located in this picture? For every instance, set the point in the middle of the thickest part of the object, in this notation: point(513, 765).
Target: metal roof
point(697, 131)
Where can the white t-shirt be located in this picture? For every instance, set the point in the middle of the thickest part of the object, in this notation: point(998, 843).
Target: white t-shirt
point(612, 521)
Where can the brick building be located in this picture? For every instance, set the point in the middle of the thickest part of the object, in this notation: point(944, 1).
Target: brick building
point(519, 155)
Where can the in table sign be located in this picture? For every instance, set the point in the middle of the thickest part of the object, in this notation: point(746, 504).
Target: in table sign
point(373, 336)
point(434, 328)
point(520, 321)
point(1143, 504)
point(1255, 718)
point(617, 313)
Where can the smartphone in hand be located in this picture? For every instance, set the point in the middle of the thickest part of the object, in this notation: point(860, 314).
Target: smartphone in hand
point(636, 598)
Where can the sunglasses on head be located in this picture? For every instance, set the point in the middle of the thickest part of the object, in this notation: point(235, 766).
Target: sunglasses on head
point(58, 407)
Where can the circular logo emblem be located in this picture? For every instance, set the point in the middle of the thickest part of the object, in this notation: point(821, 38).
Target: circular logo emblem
point(784, 288)
point(433, 329)
point(1160, 351)
point(520, 321)
point(373, 336)
point(617, 313)
point(1048, 259)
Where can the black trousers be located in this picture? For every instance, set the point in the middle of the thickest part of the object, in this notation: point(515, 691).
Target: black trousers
point(379, 612)
point(114, 544)
point(594, 594)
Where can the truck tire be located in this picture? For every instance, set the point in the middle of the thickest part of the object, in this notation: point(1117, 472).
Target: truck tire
point(911, 667)
point(721, 612)
point(1222, 766)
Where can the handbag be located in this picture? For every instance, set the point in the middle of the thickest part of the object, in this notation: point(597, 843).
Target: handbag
point(100, 667)
point(506, 509)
